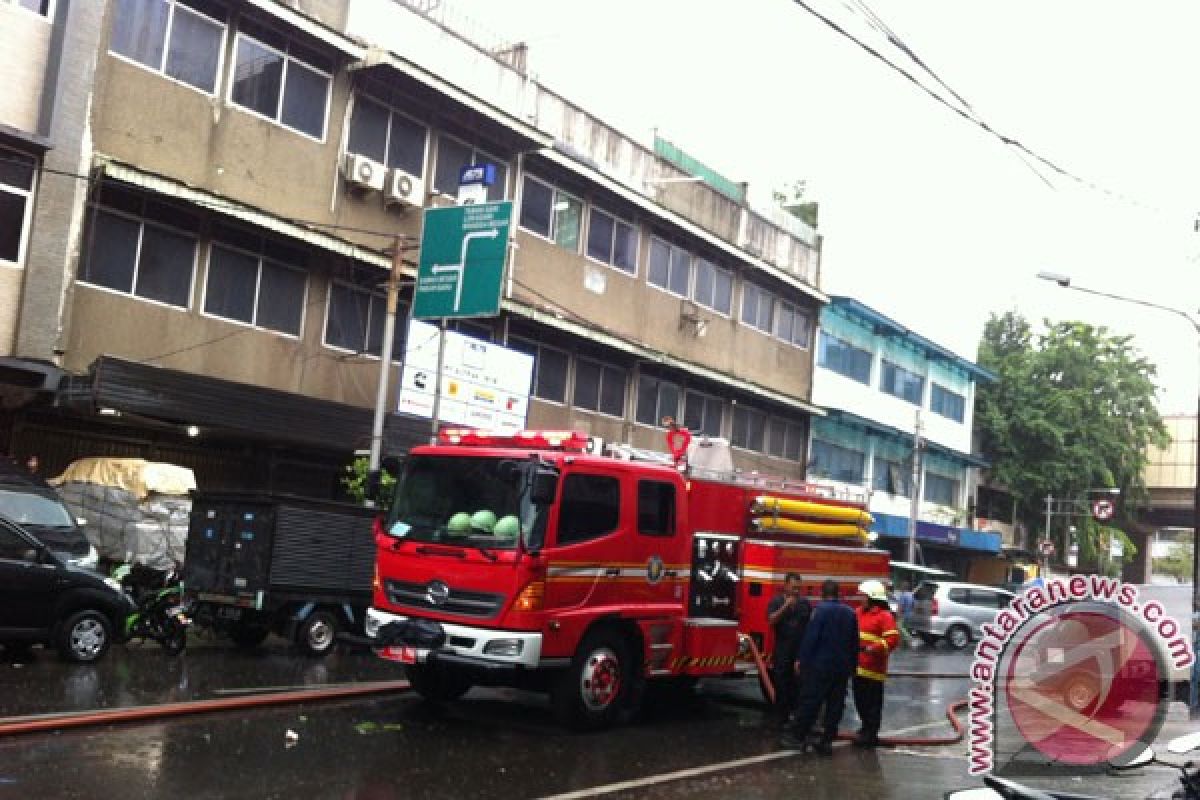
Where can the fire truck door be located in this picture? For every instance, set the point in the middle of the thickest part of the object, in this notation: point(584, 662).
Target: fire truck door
point(658, 565)
point(583, 565)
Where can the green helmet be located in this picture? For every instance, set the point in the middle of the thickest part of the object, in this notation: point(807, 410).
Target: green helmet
point(507, 527)
point(459, 523)
point(483, 521)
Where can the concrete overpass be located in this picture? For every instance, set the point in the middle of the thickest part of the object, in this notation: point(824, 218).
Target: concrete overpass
point(1170, 483)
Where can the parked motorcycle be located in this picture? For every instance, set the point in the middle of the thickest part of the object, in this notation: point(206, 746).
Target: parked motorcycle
point(162, 613)
point(1189, 778)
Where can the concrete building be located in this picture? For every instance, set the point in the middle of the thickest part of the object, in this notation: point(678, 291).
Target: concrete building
point(876, 378)
point(1165, 518)
point(200, 197)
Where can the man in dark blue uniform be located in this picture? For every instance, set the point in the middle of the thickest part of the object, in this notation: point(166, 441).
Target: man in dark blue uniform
point(788, 614)
point(826, 658)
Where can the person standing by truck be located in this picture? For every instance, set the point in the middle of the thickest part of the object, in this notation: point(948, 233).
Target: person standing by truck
point(788, 614)
point(878, 637)
point(826, 658)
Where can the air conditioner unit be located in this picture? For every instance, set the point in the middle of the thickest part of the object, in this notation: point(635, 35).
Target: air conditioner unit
point(364, 173)
point(404, 188)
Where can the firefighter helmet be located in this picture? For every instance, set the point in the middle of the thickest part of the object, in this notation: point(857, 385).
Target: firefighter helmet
point(459, 523)
point(483, 520)
point(507, 527)
point(874, 590)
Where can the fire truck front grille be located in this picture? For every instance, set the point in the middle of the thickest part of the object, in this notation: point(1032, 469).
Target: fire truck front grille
point(458, 601)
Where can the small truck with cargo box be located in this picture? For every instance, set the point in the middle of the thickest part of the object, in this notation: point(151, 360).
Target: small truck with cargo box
point(258, 563)
point(520, 559)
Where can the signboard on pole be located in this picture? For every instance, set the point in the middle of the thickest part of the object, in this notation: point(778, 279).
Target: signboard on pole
point(483, 385)
point(463, 251)
point(1103, 509)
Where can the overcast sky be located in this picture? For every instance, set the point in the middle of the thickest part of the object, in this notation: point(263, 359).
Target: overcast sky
point(926, 217)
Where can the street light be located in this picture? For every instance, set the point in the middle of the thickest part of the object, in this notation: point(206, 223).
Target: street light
point(1065, 282)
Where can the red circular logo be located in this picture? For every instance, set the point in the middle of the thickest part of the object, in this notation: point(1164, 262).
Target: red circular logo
point(1102, 509)
point(1084, 686)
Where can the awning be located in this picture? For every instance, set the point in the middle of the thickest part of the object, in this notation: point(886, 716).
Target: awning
point(647, 354)
point(883, 429)
point(231, 208)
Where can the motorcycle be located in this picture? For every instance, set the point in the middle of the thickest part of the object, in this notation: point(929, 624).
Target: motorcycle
point(162, 613)
point(1003, 789)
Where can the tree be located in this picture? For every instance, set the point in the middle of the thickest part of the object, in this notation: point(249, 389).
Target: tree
point(1072, 408)
point(1178, 563)
point(355, 482)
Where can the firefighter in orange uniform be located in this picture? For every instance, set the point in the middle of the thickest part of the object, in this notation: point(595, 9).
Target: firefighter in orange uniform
point(878, 636)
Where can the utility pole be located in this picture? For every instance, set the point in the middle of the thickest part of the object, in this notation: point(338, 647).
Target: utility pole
point(915, 491)
point(1046, 538)
point(385, 356)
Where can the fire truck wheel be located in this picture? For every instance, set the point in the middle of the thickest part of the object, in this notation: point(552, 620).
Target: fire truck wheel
point(317, 634)
point(597, 689)
point(437, 687)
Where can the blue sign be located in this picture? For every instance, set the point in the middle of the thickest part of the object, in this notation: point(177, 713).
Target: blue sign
point(932, 532)
point(477, 175)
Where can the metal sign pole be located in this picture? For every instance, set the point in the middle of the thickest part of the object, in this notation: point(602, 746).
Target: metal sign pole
point(437, 381)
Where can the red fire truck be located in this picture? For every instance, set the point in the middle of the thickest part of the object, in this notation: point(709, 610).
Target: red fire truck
point(523, 560)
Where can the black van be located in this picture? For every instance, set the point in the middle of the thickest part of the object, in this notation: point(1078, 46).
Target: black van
point(44, 599)
point(37, 507)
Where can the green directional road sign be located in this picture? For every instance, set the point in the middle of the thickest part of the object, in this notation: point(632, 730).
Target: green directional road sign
point(462, 261)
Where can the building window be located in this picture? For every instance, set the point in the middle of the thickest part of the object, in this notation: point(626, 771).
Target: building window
point(702, 413)
point(387, 136)
point(590, 507)
point(898, 381)
point(890, 476)
point(947, 403)
point(182, 39)
point(549, 369)
point(246, 286)
point(749, 429)
point(281, 80)
point(713, 288)
point(940, 489)
point(43, 7)
point(757, 307)
point(670, 267)
point(656, 399)
point(453, 155)
point(551, 213)
point(785, 439)
point(792, 324)
point(146, 249)
point(355, 318)
point(993, 504)
point(599, 387)
point(16, 188)
point(835, 462)
point(844, 358)
point(612, 241)
point(656, 508)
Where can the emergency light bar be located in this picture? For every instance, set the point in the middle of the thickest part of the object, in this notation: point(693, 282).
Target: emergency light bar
point(535, 440)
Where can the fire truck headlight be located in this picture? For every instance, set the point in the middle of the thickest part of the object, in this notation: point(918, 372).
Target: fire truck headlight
point(509, 648)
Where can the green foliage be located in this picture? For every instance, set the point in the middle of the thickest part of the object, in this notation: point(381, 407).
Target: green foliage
point(1178, 564)
point(355, 482)
point(1072, 409)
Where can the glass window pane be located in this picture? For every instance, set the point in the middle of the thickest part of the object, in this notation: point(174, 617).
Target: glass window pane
point(406, 145)
point(591, 507)
point(281, 298)
point(713, 413)
point(795, 442)
point(165, 266)
point(114, 242)
point(776, 437)
point(376, 319)
point(646, 411)
point(612, 392)
point(16, 169)
point(704, 283)
point(368, 129)
point(568, 217)
point(304, 99)
point(194, 50)
point(681, 265)
point(600, 236)
point(232, 282)
point(625, 247)
point(452, 156)
point(551, 375)
point(668, 401)
point(587, 385)
point(256, 78)
point(12, 224)
point(536, 199)
point(139, 28)
point(659, 270)
point(346, 325)
point(723, 292)
point(656, 508)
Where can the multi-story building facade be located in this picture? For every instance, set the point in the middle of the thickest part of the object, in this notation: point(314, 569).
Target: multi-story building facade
point(204, 195)
point(876, 378)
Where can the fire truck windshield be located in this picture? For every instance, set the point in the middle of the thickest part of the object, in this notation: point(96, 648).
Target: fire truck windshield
point(470, 501)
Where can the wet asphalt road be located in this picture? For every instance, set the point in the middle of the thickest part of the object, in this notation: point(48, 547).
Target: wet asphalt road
point(492, 744)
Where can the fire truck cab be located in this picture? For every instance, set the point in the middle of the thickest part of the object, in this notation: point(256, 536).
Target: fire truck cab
point(522, 560)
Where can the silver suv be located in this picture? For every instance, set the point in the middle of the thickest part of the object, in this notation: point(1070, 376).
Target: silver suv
point(954, 611)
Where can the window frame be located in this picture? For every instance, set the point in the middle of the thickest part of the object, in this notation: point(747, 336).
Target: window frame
point(516, 341)
point(35, 169)
point(884, 365)
point(796, 311)
point(671, 249)
point(707, 398)
point(604, 368)
point(260, 259)
point(751, 411)
point(714, 270)
point(95, 211)
point(862, 467)
point(657, 424)
point(397, 357)
point(555, 191)
point(672, 521)
point(955, 484)
point(791, 428)
point(612, 241)
point(562, 505)
point(934, 389)
point(825, 337)
point(393, 112)
point(161, 69)
point(905, 473)
point(476, 152)
point(287, 58)
point(762, 293)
